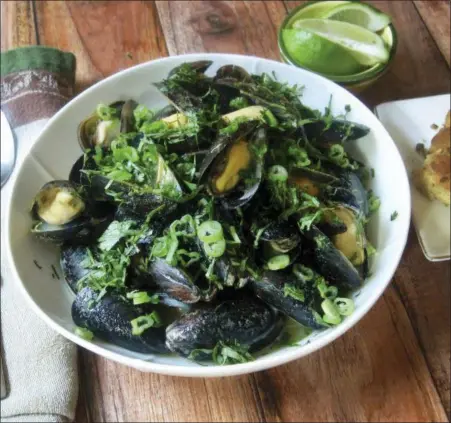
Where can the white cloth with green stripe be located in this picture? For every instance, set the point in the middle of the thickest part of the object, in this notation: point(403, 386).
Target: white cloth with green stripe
point(41, 365)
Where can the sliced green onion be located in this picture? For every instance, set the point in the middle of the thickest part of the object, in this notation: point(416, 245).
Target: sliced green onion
point(186, 221)
point(210, 231)
point(193, 257)
point(142, 297)
point(345, 306)
point(277, 173)
point(141, 323)
point(279, 262)
point(215, 249)
point(303, 273)
point(337, 152)
point(84, 333)
point(326, 291)
point(331, 314)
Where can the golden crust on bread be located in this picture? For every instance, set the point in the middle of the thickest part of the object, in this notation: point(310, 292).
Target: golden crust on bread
point(433, 179)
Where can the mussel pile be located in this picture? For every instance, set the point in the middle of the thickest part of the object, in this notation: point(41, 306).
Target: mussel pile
point(201, 228)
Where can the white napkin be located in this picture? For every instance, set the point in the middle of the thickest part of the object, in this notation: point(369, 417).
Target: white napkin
point(40, 365)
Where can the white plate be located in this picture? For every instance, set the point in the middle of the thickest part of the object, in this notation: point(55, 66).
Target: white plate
point(56, 150)
point(409, 122)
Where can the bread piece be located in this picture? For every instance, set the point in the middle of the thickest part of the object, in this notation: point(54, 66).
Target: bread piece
point(441, 141)
point(433, 179)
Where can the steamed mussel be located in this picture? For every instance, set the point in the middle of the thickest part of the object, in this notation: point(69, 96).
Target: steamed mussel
point(207, 227)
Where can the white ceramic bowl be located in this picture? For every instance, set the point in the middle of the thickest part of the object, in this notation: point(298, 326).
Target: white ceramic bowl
point(55, 151)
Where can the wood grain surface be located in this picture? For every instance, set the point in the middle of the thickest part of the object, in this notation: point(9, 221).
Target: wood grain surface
point(436, 16)
point(395, 364)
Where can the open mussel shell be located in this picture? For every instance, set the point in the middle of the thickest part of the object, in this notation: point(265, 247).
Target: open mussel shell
point(281, 237)
point(334, 132)
point(248, 321)
point(93, 131)
point(109, 319)
point(230, 155)
point(352, 242)
point(58, 202)
point(72, 261)
point(226, 91)
point(311, 181)
point(270, 289)
point(349, 190)
point(330, 261)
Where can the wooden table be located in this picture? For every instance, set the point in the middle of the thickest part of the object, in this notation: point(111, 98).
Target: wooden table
point(392, 366)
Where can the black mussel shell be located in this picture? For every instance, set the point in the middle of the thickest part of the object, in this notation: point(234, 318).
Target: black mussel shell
point(76, 176)
point(200, 67)
point(349, 190)
point(247, 321)
point(72, 261)
point(174, 281)
point(282, 236)
point(335, 132)
point(127, 116)
point(109, 319)
point(234, 72)
point(331, 262)
point(218, 156)
point(270, 289)
point(82, 230)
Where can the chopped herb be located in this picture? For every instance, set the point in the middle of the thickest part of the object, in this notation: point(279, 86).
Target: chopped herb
point(347, 108)
point(293, 291)
point(37, 264)
point(113, 234)
point(434, 126)
point(84, 333)
point(129, 55)
point(223, 353)
point(394, 215)
point(373, 202)
point(239, 103)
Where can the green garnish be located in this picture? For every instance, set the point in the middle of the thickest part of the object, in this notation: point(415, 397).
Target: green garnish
point(394, 215)
point(293, 291)
point(279, 262)
point(224, 353)
point(142, 323)
point(142, 297)
point(84, 333)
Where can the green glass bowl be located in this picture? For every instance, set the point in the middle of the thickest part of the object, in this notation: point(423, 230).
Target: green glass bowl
point(356, 82)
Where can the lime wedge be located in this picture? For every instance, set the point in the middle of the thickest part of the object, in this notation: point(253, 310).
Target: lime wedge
point(366, 47)
point(359, 14)
point(316, 10)
point(318, 54)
